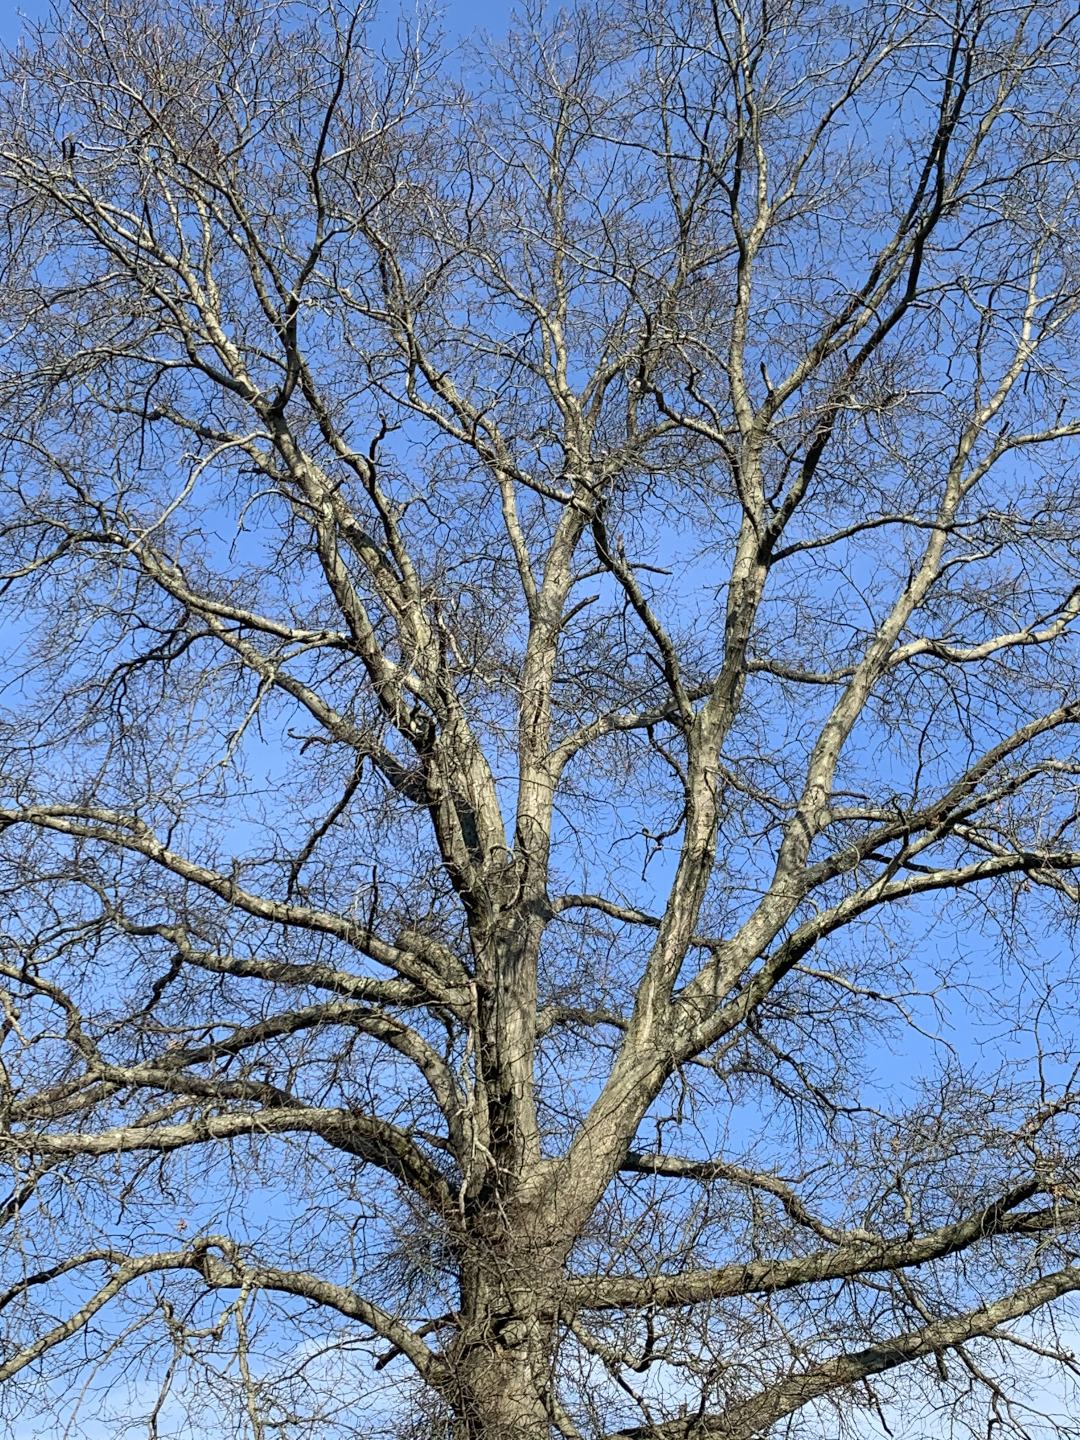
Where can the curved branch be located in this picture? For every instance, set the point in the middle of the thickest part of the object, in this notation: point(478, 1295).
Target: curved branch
point(754, 1416)
point(130, 833)
point(858, 1257)
point(226, 1272)
point(672, 1167)
point(231, 1273)
point(366, 1136)
point(129, 1269)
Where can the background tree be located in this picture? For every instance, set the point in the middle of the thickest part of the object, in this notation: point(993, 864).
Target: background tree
point(541, 594)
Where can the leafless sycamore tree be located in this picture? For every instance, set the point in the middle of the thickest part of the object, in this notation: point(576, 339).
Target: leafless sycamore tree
point(539, 797)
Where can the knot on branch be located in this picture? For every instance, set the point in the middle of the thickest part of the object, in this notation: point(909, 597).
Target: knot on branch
point(223, 1271)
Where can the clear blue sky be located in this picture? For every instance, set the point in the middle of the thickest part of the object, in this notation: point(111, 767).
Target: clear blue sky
point(10, 15)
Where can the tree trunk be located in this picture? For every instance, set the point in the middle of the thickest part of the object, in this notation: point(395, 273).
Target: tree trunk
point(504, 1385)
point(502, 1355)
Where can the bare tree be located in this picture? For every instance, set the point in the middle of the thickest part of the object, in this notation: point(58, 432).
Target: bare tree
point(539, 816)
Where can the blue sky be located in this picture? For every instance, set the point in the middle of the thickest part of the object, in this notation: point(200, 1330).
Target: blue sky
point(10, 17)
point(462, 16)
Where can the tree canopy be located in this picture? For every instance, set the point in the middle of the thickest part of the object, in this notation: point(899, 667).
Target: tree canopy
point(538, 777)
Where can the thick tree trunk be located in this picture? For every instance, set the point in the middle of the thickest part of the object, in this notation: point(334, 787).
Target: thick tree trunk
point(504, 1386)
point(502, 1355)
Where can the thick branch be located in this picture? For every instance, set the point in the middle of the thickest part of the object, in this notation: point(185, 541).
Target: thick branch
point(860, 1257)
